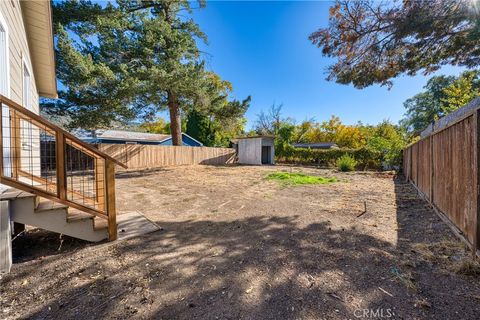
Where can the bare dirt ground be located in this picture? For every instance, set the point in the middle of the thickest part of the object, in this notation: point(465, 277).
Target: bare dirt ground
point(235, 246)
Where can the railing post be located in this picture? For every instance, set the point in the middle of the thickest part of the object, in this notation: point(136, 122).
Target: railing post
point(15, 140)
point(1, 138)
point(61, 172)
point(110, 194)
point(99, 172)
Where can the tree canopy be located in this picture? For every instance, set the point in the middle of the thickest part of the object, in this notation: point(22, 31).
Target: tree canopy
point(130, 59)
point(441, 95)
point(376, 41)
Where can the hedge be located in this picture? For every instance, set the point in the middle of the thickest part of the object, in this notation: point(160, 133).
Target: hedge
point(366, 158)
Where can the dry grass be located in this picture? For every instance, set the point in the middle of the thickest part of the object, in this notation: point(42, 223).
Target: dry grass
point(442, 251)
point(468, 267)
point(406, 279)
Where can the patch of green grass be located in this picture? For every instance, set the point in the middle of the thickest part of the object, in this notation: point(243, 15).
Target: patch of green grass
point(294, 179)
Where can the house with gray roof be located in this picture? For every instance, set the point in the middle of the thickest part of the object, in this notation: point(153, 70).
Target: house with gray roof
point(132, 137)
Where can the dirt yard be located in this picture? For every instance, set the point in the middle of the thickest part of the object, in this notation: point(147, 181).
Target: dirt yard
point(236, 246)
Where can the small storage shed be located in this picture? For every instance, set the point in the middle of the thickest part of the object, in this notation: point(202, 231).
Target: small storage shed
point(255, 150)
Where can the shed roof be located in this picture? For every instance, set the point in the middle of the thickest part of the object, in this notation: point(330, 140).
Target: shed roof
point(254, 137)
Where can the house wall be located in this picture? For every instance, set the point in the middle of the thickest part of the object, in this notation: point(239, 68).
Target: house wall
point(11, 12)
point(19, 58)
point(250, 151)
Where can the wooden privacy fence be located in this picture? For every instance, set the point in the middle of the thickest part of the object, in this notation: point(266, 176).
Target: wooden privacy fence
point(444, 166)
point(138, 156)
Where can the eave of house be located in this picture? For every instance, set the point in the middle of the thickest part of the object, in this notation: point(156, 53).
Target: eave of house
point(37, 17)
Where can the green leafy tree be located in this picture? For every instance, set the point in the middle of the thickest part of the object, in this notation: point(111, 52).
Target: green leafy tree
point(461, 91)
point(427, 106)
point(159, 125)
point(199, 127)
point(285, 136)
point(389, 140)
point(215, 123)
point(376, 41)
point(442, 95)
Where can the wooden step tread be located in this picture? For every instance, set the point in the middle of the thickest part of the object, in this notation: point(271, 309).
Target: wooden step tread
point(46, 205)
point(76, 215)
point(15, 194)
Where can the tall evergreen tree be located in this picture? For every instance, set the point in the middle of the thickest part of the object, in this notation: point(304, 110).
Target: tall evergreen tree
point(126, 60)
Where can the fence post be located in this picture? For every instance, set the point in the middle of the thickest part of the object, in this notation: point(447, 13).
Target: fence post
point(432, 169)
point(476, 179)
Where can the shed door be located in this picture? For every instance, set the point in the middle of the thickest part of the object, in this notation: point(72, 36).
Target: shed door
point(266, 155)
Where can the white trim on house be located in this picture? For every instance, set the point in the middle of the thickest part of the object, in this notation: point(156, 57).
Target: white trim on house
point(5, 90)
point(4, 30)
point(27, 100)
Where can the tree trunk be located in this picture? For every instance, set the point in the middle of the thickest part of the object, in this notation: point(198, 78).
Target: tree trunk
point(175, 119)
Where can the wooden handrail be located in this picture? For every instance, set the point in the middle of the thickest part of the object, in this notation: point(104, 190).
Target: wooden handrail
point(101, 204)
point(36, 117)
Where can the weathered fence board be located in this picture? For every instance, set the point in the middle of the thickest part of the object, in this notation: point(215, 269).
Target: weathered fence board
point(444, 167)
point(137, 156)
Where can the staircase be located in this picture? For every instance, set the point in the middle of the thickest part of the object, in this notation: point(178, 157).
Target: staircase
point(32, 210)
point(59, 183)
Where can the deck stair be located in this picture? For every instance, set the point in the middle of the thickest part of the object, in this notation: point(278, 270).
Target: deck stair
point(33, 210)
point(60, 183)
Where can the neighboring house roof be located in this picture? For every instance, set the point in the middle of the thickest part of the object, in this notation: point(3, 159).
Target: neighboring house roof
point(129, 135)
point(316, 145)
point(37, 17)
point(121, 135)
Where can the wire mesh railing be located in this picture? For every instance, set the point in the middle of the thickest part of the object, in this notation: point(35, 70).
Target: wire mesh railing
point(39, 157)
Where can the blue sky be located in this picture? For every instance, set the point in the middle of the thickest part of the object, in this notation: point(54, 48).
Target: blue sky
point(262, 48)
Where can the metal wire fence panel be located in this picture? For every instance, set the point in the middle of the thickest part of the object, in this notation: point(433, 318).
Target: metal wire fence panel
point(47, 160)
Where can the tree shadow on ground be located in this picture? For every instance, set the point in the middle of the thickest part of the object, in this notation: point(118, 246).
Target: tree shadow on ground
point(37, 243)
point(259, 267)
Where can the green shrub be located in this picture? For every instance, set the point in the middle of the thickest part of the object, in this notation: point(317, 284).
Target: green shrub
point(346, 163)
point(366, 158)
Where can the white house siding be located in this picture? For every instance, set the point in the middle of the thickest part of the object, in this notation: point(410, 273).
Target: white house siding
point(18, 57)
point(19, 52)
